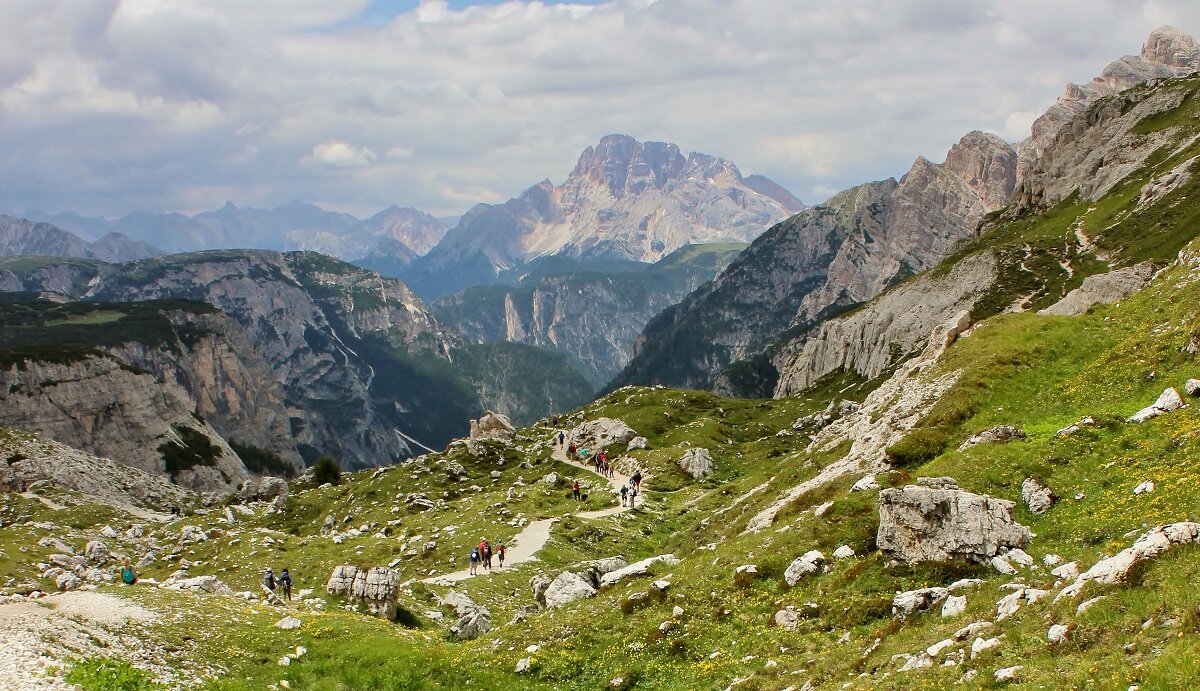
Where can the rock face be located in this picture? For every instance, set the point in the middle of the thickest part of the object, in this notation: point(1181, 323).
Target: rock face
point(942, 524)
point(825, 259)
point(1113, 286)
point(625, 199)
point(101, 405)
point(43, 460)
point(698, 463)
point(897, 324)
point(309, 358)
point(375, 588)
point(601, 433)
point(593, 315)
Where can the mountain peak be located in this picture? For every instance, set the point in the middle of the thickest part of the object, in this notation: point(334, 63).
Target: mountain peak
point(1171, 46)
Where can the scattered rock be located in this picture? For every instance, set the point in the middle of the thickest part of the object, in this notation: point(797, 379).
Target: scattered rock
point(109, 532)
point(1150, 545)
point(637, 443)
point(523, 665)
point(191, 534)
point(743, 576)
point(920, 600)
point(1076, 427)
point(1192, 387)
point(1037, 496)
point(1009, 673)
point(843, 552)
point(1145, 487)
point(972, 630)
point(97, 552)
point(937, 524)
point(1169, 400)
point(67, 580)
point(999, 434)
point(1086, 605)
point(805, 565)
point(698, 463)
point(288, 623)
point(1009, 604)
point(981, 645)
point(208, 584)
point(867, 482)
point(1068, 571)
point(921, 661)
point(940, 647)
point(472, 625)
point(550, 479)
point(954, 605)
point(454, 469)
point(1058, 633)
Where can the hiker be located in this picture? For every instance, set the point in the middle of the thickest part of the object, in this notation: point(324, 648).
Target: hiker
point(285, 582)
point(500, 552)
point(474, 560)
point(636, 480)
point(633, 496)
point(571, 449)
point(269, 580)
point(556, 422)
point(129, 574)
point(624, 494)
point(575, 490)
point(561, 438)
point(485, 550)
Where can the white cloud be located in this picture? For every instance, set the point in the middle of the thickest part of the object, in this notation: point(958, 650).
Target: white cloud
point(336, 152)
point(113, 105)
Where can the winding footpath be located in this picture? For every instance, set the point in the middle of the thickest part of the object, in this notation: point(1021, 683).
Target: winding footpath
point(527, 543)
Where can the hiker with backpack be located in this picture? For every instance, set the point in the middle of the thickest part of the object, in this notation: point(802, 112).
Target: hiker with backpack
point(561, 439)
point(500, 552)
point(624, 494)
point(633, 496)
point(636, 480)
point(571, 450)
point(129, 574)
point(285, 582)
point(474, 560)
point(269, 579)
point(485, 551)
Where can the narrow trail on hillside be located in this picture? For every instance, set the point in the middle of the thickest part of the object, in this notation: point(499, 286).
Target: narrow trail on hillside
point(527, 543)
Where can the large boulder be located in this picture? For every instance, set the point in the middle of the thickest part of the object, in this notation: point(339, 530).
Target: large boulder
point(596, 569)
point(375, 588)
point(97, 552)
point(943, 523)
point(1192, 387)
point(472, 625)
point(566, 588)
point(600, 433)
point(698, 463)
point(493, 426)
point(266, 488)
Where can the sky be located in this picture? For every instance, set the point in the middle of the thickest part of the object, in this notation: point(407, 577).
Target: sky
point(111, 106)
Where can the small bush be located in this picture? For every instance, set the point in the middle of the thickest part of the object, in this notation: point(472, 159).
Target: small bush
point(327, 471)
point(107, 674)
point(919, 446)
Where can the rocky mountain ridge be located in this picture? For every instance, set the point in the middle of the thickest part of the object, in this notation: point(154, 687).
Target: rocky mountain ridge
point(624, 199)
point(822, 261)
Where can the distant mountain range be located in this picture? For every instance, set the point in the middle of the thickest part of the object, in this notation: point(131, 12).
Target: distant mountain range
point(625, 199)
point(20, 236)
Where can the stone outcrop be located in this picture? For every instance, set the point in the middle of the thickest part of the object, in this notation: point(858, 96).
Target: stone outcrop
point(1192, 387)
point(265, 488)
point(566, 588)
point(374, 588)
point(493, 426)
point(943, 524)
point(1151, 544)
point(1114, 286)
point(638, 568)
point(601, 433)
point(698, 463)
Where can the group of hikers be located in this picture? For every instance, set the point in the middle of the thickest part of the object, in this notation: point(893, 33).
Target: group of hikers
point(600, 460)
point(483, 553)
point(629, 492)
point(283, 582)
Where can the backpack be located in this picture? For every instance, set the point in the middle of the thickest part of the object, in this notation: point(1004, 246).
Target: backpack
point(129, 576)
point(475, 553)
